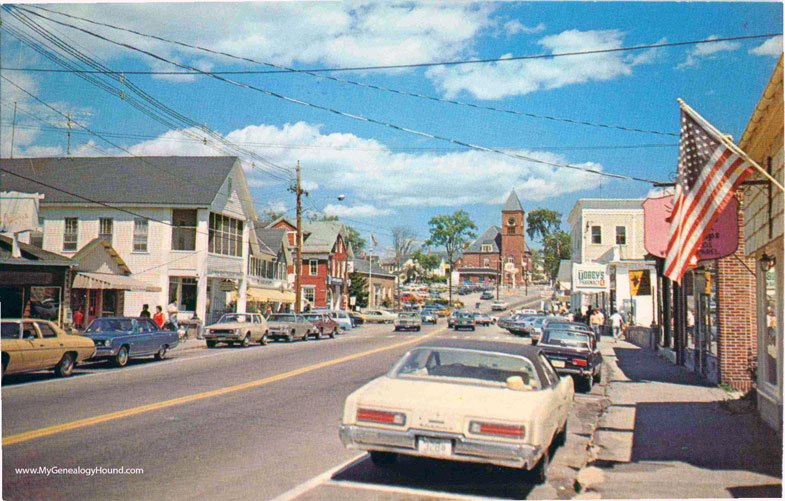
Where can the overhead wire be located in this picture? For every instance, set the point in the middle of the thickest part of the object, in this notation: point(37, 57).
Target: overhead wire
point(154, 108)
point(349, 115)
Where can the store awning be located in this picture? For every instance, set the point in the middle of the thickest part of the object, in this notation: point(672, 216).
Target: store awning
point(270, 295)
point(89, 280)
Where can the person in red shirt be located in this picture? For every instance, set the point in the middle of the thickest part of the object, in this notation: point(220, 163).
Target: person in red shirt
point(78, 318)
point(159, 317)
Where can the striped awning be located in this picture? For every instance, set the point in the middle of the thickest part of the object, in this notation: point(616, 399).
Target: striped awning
point(90, 280)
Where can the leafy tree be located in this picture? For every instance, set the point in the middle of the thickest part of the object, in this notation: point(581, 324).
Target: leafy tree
point(403, 240)
point(454, 233)
point(556, 244)
point(542, 222)
point(427, 262)
point(357, 242)
point(359, 289)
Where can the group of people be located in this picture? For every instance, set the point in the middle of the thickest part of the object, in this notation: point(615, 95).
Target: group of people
point(159, 317)
point(595, 318)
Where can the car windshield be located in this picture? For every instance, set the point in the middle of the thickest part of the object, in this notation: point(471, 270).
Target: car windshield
point(457, 365)
point(235, 317)
point(537, 322)
point(281, 318)
point(111, 324)
point(10, 330)
point(568, 338)
point(407, 314)
point(569, 327)
point(313, 318)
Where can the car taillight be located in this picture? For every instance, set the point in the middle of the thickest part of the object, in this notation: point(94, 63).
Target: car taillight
point(384, 417)
point(579, 361)
point(499, 430)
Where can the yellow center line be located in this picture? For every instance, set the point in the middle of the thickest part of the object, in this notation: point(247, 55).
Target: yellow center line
point(81, 423)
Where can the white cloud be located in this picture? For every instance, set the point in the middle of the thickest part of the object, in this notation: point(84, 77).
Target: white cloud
point(357, 211)
point(659, 192)
point(771, 47)
point(380, 179)
point(513, 78)
point(705, 51)
point(273, 207)
point(515, 27)
point(288, 33)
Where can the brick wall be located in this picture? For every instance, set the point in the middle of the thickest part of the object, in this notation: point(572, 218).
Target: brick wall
point(737, 328)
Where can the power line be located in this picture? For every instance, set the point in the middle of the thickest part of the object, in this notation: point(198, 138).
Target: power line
point(352, 116)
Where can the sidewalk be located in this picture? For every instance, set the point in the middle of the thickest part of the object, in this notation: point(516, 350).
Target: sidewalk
point(667, 434)
point(190, 344)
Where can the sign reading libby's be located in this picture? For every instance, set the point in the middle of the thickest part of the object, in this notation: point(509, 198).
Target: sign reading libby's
point(590, 277)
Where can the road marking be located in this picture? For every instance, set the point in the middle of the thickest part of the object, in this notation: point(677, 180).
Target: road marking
point(81, 423)
point(316, 481)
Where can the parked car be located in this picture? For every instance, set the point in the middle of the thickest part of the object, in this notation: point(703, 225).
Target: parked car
point(288, 326)
point(573, 353)
point(527, 311)
point(498, 306)
point(463, 320)
point(120, 338)
point(379, 316)
point(356, 317)
point(237, 328)
point(429, 317)
point(340, 317)
point(408, 320)
point(325, 325)
point(486, 295)
point(463, 400)
point(482, 319)
point(33, 345)
point(576, 326)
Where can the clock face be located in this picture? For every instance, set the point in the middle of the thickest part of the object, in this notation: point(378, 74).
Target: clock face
point(511, 221)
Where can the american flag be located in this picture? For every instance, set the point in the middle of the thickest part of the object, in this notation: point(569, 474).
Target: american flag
point(708, 174)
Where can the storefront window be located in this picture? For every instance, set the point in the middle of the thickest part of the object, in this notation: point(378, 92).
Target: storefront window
point(771, 321)
point(182, 292)
point(44, 302)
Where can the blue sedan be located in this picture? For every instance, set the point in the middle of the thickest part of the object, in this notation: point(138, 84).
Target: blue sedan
point(120, 338)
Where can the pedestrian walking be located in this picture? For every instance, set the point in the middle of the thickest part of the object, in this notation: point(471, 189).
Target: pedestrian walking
point(617, 325)
point(145, 311)
point(595, 322)
point(159, 317)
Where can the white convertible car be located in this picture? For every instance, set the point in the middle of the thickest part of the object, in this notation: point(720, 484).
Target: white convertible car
point(463, 400)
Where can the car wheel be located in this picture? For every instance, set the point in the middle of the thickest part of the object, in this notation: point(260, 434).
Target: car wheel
point(598, 377)
point(395, 329)
point(246, 341)
point(561, 437)
point(383, 459)
point(161, 352)
point(588, 382)
point(306, 334)
point(534, 342)
point(472, 328)
point(332, 334)
point(319, 334)
point(64, 367)
point(418, 328)
point(263, 341)
point(121, 359)
point(540, 471)
point(211, 344)
point(290, 337)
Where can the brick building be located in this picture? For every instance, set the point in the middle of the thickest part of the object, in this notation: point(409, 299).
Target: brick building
point(326, 253)
point(499, 250)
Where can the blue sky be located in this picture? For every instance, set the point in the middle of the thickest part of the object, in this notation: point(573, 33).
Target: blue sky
point(390, 177)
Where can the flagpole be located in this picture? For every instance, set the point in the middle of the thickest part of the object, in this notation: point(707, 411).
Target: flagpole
point(731, 145)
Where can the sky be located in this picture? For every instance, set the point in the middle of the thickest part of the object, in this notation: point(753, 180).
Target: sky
point(389, 176)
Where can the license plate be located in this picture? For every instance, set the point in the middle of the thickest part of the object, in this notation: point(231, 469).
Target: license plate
point(557, 363)
point(435, 447)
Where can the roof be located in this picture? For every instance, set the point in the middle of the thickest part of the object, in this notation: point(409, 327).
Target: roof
point(30, 254)
point(512, 203)
point(361, 267)
point(97, 243)
point(766, 119)
point(321, 236)
point(492, 236)
point(188, 181)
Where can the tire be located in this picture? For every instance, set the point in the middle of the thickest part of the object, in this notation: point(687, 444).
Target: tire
point(290, 337)
point(473, 328)
point(246, 341)
point(598, 377)
point(332, 334)
point(64, 367)
point(395, 329)
point(305, 336)
point(319, 334)
point(587, 383)
point(418, 328)
point(383, 459)
point(161, 352)
point(539, 473)
point(211, 344)
point(263, 340)
point(561, 437)
point(121, 359)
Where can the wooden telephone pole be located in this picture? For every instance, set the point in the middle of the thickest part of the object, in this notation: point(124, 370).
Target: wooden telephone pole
point(299, 192)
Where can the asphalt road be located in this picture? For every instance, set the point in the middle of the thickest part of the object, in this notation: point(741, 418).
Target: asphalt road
point(232, 423)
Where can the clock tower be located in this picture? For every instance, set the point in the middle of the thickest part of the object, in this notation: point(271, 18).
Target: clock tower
point(513, 248)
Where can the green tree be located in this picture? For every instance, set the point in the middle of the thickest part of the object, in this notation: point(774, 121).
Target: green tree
point(556, 245)
point(427, 262)
point(357, 242)
point(453, 232)
point(359, 289)
point(542, 222)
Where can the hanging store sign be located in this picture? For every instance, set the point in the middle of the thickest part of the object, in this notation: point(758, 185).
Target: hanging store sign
point(722, 240)
point(640, 283)
point(590, 277)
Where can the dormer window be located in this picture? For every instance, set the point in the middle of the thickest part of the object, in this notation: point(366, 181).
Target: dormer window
point(486, 248)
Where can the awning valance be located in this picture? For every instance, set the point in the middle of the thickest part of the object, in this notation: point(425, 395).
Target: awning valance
point(89, 280)
point(270, 295)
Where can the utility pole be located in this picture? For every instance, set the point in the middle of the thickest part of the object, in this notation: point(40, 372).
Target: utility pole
point(299, 192)
point(69, 133)
point(13, 131)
